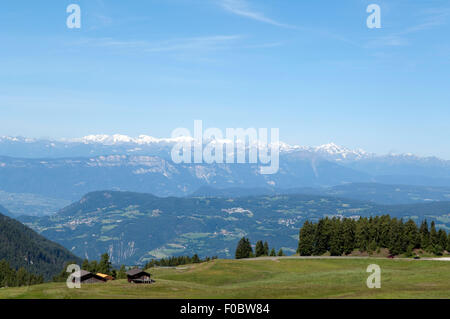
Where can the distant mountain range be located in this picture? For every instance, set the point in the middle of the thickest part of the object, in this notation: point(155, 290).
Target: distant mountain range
point(46, 174)
point(135, 227)
point(23, 247)
point(95, 145)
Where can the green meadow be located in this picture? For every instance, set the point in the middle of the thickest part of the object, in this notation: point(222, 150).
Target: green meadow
point(268, 278)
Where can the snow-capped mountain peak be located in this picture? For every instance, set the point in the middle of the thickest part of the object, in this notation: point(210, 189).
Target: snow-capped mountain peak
point(125, 139)
point(341, 152)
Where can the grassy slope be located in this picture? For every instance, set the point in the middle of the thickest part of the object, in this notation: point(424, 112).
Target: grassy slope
point(285, 278)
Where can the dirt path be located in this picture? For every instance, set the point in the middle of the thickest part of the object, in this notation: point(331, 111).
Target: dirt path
point(441, 259)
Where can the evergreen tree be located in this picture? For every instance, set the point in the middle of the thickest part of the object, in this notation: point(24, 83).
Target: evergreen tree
point(104, 265)
point(93, 266)
point(272, 252)
point(397, 238)
point(281, 253)
point(348, 236)
point(321, 237)
point(85, 265)
point(122, 274)
point(306, 239)
point(336, 238)
point(195, 259)
point(372, 246)
point(424, 235)
point(259, 248)
point(384, 229)
point(412, 234)
point(362, 235)
point(448, 243)
point(437, 250)
point(243, 249)
point(434, 239)
point(266, 249)
point(409, 251)
point(442, 235)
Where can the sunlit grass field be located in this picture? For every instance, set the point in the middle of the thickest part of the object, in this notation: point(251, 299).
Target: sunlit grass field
point(268, 278)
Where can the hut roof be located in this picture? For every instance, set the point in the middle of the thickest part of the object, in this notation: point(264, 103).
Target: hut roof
point(105, 276)
point(84, 273)
point(134, 272)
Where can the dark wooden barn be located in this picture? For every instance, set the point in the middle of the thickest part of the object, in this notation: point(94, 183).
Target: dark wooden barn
point(87, 277)
point(138, 276)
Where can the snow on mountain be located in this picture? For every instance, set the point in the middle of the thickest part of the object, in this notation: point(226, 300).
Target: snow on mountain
point(145, 144)
point(341, 153)
point(16, 139)
point(331, 149)
point(125, 139)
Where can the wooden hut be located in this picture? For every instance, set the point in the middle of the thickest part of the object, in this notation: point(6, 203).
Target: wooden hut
point(138, 276)
point(87, 277)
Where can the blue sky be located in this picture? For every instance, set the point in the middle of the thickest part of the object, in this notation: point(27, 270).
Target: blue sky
point(311, 68)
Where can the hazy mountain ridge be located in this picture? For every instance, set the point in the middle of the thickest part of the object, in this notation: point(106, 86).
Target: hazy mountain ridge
point(382, 194)
point(70, 178)
point(4, 211)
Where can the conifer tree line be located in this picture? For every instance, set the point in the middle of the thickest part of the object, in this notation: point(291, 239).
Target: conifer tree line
point(177, 261)
point(342, 236)
point(244, 249)
point(103, 266)
point(10, 277)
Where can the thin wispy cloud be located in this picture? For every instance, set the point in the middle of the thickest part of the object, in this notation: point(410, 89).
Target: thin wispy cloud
point(432, 18)
point(242, 8)
point(206, 43)
point(393, 40)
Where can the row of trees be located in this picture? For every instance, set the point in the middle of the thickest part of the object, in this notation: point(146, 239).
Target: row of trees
point(103, 266)
point(10, 277)
point(342, 236)
point(177, 261)
point(244, 249)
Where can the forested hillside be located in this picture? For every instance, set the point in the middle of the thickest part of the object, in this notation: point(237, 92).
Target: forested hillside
point(22, 247)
